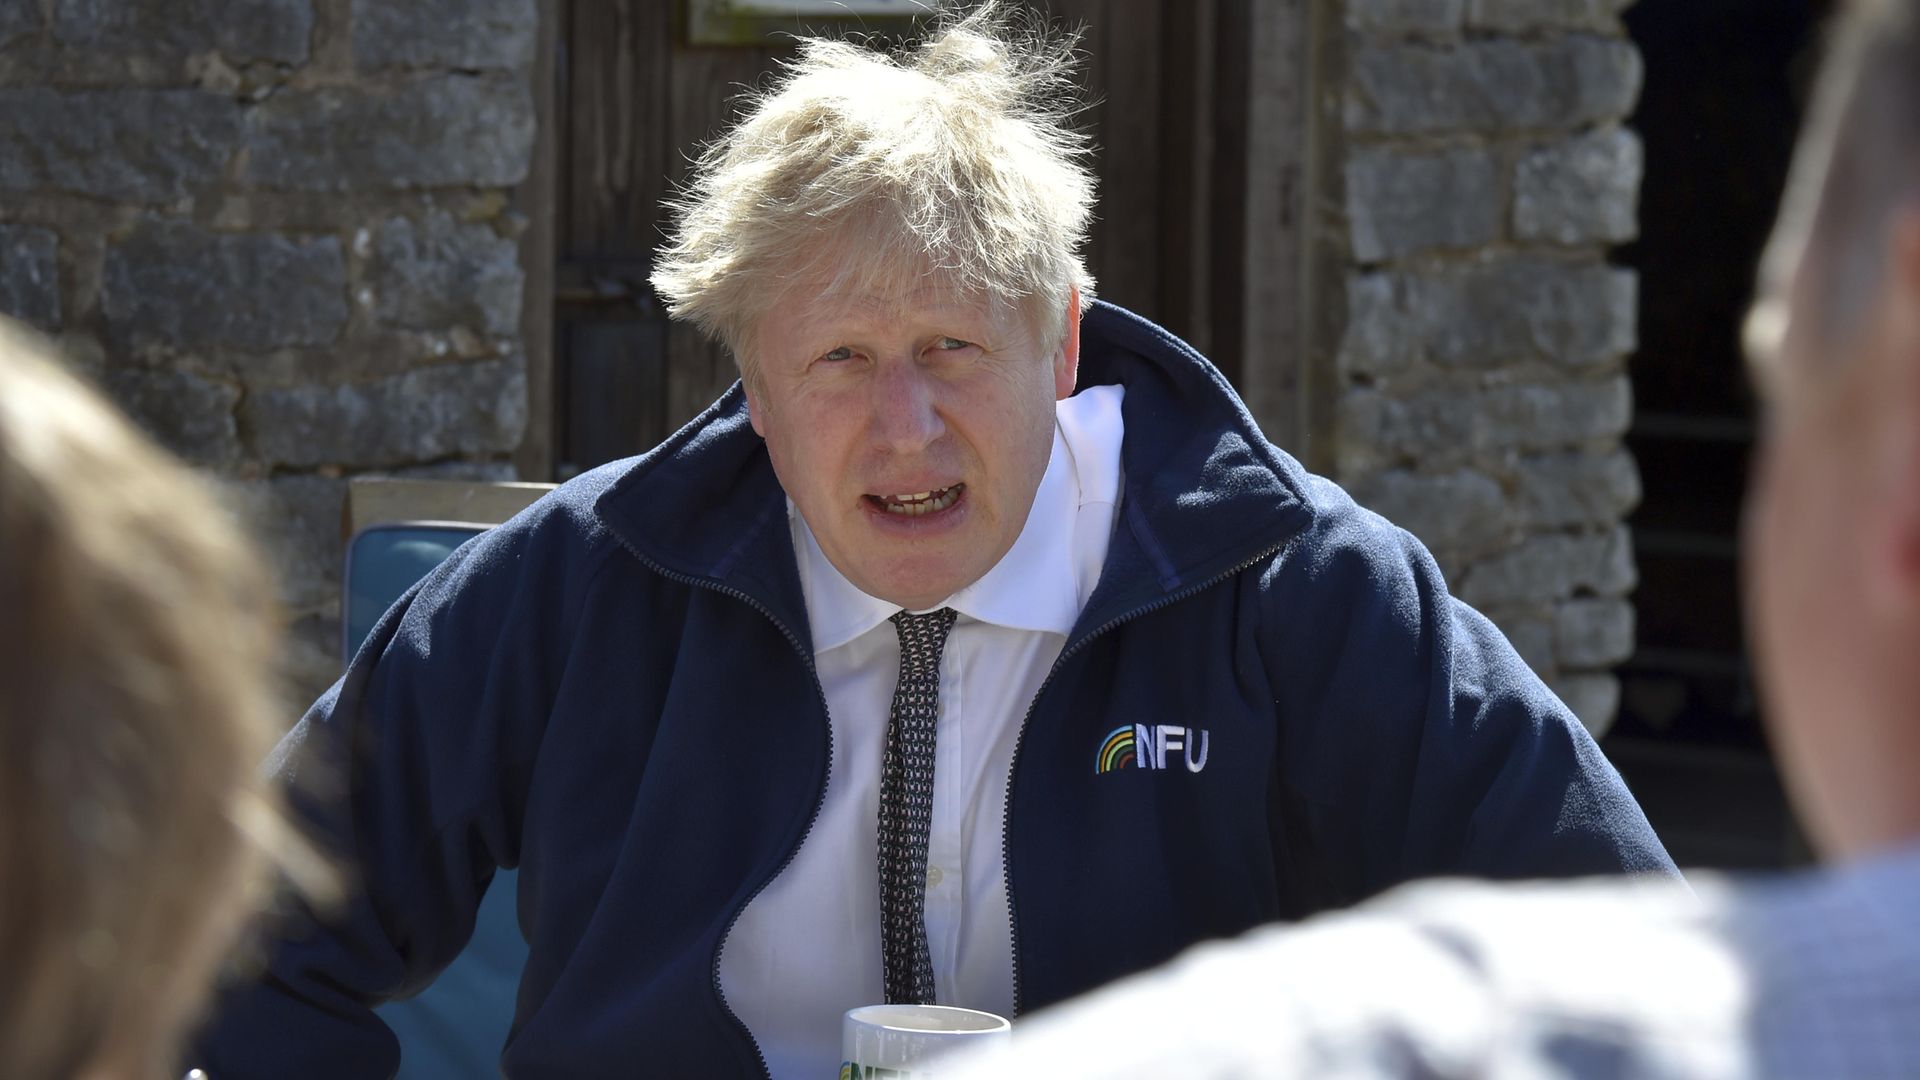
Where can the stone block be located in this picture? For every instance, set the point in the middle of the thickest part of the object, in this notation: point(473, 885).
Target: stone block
point(297, 518)
point(448, 130)
point(278, 30)
point(1585, 190)
point(131, 145)
point(30, 275)
point(1592, 633)
point(1449, 422)
point(18, 18)
point(1593, 698)
point(1551, 568)
point(177, 283)
point(1564, 490)
point(1491, 86)
point(437, 273)
point(470, 35)
point(418, 416)
point(187, 414)
point(1458, 511)
point(1401, 202)
point(1515, 16)
point(1490, 314)
point(1405, 16)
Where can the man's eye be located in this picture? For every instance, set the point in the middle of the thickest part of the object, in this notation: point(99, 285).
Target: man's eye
point(841, 353)
point(950, 344)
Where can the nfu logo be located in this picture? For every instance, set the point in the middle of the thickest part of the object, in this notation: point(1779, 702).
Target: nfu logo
point(1146, 746)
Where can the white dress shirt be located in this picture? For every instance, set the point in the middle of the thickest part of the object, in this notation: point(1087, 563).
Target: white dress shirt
point(807, 948)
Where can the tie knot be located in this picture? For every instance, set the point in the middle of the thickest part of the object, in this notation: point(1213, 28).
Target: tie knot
point(922, 636)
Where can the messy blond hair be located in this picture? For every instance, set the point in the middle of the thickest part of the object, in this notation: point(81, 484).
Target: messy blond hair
point(137, 633)
point(954, 164)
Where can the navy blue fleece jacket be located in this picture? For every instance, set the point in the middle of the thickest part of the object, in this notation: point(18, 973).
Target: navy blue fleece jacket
point(615, 692)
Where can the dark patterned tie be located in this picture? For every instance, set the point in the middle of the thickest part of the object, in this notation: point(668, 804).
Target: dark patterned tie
point(906, 807)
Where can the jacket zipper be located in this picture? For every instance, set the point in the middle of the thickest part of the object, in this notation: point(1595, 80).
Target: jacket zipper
point(1006, 809)
point(818, 800)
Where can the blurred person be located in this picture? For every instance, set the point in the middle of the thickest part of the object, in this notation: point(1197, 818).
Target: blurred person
point(975, 649)
point(1811, 974)
point(137, 639)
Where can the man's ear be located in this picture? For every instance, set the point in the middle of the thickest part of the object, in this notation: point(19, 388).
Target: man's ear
point(1066, 359)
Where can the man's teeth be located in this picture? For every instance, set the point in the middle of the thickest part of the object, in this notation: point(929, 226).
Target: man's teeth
point(921, 502)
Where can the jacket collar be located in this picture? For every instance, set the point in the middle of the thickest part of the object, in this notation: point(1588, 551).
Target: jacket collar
point(1204, 493)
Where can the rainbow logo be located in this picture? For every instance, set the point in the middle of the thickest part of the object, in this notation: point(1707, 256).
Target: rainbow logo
point(1116, 750)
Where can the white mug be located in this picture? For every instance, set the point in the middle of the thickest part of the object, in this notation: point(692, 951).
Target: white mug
point(901, 1041)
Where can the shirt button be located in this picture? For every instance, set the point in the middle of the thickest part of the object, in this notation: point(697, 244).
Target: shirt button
point(933, 876)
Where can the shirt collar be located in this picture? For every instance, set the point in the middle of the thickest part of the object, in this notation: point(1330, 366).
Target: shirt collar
point(1034, 586)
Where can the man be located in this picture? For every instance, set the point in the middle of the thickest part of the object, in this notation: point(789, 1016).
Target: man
point(906, 672)
point(137, 637)
point(1810, 975)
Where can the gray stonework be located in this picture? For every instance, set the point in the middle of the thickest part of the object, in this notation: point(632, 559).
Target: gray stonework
point(30, 275)
point(471, 35)
point(447, 410)
point(282, 235)
point(1406, 16)
point(1583, 190)
point(1524, 16)
point(134, 145)
point(1458, 422)
point(1593, 632)
point(189, 414)
point(177, 283)
point(1401, 203)
point(18, 18)
point(1490, 313)
point(277, 30)
point(436, 273)
point(1500, 85)
point(1480, 361)
point(439, 131)
point(1553, 567)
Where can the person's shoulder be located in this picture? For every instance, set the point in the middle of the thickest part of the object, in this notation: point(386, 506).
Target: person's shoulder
point(1596, 966)
point(1448, 979)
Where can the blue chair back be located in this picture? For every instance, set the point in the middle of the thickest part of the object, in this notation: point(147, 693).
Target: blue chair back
point(455, 1028)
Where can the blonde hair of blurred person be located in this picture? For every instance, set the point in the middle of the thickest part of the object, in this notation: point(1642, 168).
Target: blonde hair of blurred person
point(136, 637)
point(1833, 527)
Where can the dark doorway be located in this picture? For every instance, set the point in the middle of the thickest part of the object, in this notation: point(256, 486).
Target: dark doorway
point(1726, 84)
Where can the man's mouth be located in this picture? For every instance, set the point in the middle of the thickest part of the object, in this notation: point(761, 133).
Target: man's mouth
point(917, 503)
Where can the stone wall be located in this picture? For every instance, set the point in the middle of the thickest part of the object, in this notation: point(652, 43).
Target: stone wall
point(281, 234)
point(1482, 389)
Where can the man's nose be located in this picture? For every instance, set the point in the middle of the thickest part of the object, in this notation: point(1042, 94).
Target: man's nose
point(906, 412)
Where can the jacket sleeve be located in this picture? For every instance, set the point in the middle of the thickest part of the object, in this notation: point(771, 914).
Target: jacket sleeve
point(411, 772)
point(1414, 742)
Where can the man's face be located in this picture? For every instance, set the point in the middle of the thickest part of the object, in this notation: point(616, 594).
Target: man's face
point(1833, 546)
point(911, 432)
